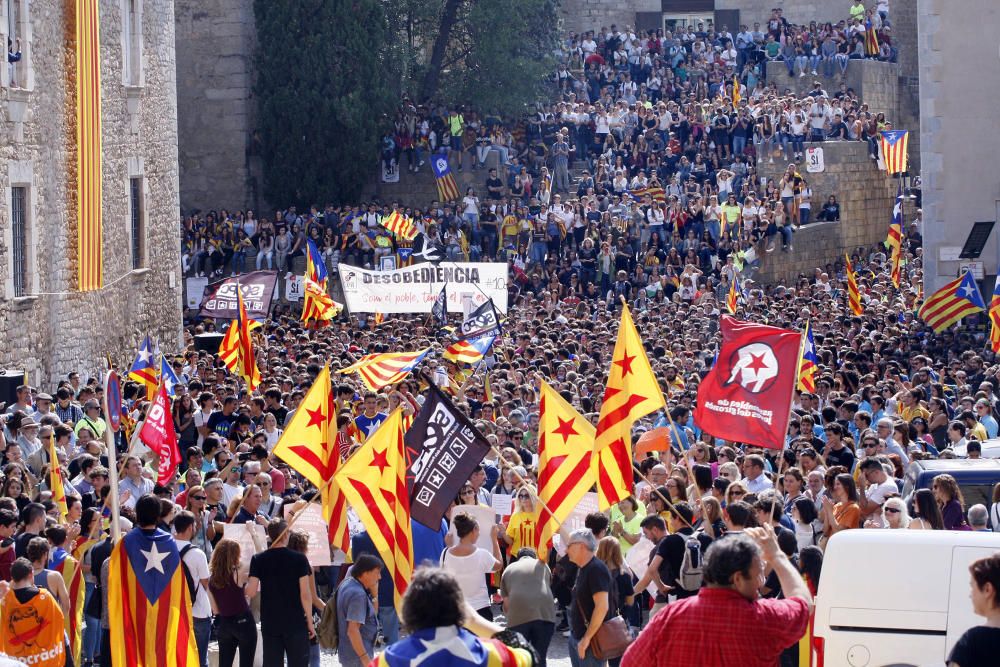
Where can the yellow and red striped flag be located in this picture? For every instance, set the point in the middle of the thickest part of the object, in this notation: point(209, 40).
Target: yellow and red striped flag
point(381, 370)
point(871, 39)
point(72, 574)
point(468, 351)
point(309, 445)
point(736, 91)
point(318, 308)
point(55, 479)
point(994, 315)
point(631, 393)
point(894, 241)
point(952, 302)
point(808, 362)
point(446, 186)
point(236, 349)
point(90, 235)
point(374, 481)
point(565, 473)
point(401, 226)
point(733, 297)
point(853, 294)
point(894, 145)
point(149, 603)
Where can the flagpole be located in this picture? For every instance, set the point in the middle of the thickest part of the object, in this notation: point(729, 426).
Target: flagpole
point(113, 474)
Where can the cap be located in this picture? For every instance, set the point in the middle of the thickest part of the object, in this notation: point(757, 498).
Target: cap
point(43, 397)
point(583, 536)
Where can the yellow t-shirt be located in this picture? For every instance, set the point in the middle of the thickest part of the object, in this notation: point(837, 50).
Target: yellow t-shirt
point(521, 529)
point(630, 526)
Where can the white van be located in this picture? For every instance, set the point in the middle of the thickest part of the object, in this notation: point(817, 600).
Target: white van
point(896, 597)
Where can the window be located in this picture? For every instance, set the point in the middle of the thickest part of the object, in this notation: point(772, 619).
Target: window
point(138, 224)
point(132, 42)
point(19, 238)
point(17, 64)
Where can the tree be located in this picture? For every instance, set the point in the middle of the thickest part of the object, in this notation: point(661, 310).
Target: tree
point(494, 54)
point(324, 93)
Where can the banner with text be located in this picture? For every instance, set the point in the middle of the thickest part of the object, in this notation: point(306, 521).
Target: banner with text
point(413, 289)
point(257, 288)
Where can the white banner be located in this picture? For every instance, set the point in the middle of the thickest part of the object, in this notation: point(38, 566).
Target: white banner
point(294, 287)
point(413, 289)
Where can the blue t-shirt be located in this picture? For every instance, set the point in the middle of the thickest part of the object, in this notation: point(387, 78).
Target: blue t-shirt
point(427, 544)
point(354, 604)
point(368, 425)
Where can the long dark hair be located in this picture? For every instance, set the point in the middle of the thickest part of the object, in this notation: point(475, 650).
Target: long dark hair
point(926, 508)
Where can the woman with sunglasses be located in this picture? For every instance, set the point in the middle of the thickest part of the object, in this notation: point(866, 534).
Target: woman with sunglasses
point(520, 532)
point(204, 525)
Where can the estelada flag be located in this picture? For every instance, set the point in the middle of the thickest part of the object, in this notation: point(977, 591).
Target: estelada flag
point(159, 435)
point(374, 481)
point(747, 395)
point(72, 574)
point(149, 604)
point(309, 446)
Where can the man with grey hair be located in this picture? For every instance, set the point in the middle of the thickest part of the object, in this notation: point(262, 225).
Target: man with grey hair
point(686, 631)
point(590, 607)
point(979, 518)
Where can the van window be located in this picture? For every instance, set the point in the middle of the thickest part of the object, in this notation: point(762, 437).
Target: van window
point(960, 616)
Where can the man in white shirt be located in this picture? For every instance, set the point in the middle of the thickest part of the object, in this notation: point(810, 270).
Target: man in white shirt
point(820, 117)
point(875, 486)
point(753, 471)
point(206, 405)
point(197, 567)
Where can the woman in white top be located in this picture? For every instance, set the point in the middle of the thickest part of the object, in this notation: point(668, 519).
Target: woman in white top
point(470, 564)
point(470, 207)
point(271, 431)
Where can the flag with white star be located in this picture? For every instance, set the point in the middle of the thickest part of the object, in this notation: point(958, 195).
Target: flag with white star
point(143, 369)
point(149, 603)
point(170, 380)
point(451, 646)
point(948, 305)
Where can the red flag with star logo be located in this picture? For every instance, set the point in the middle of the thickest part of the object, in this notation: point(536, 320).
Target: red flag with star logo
point(747, 395)
point(309, 445)
point(374, 481)
point(632, 393)
point(564, 471)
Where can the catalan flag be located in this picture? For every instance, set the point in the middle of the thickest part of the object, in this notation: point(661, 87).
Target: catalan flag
point(722, 95)
point(894, 145)
point(545, 188)
point(381, 370)
point(72, 574)
point(309, 445)
point(55, 479)
point(378, 319)
point(894, 241)
point(952, 302)
point(853, 294)
point(236, 349)
point(87, 110)
point(149, 604)
point(468, 351)
point(871, 39)
point(732, 299)
point(401, 226)
point(143, 368)
point(631, 393)
point(565, 473)
point(318, 308)
point(655, 192)
point(994, 314)
point(446, 186)
point(374, 481)
point(736, 91)
point(808, 363)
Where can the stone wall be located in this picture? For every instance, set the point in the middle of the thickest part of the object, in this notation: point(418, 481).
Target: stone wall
point(215, 46)
point(52, 330)
point(876, 83)
point(866, 197)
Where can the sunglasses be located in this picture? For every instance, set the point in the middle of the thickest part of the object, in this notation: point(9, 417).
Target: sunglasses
point(199, 497)
point(891, 510)
point(524, 497)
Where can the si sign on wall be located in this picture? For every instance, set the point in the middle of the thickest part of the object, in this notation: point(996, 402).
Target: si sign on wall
point(814, 160)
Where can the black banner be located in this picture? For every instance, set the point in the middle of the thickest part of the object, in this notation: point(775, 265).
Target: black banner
point(443, 448)
point(481, 322)
point(440, 308)
point(257, 287)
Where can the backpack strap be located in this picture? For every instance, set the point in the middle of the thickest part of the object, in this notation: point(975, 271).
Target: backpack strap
point(193, 584)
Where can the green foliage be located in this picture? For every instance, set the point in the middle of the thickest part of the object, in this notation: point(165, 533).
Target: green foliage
point(325, 92)
point(511, 59)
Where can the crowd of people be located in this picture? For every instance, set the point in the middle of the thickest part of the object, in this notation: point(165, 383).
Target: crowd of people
point(667, 210)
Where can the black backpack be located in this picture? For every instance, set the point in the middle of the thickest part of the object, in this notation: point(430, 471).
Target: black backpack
point(192, 584)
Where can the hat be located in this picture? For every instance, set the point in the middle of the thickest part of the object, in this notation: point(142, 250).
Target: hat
point(583, 536)
point(28, 422)
point(43, 397)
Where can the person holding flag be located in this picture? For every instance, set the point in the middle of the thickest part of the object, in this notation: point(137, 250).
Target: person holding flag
point(734, 295)
point(236, 348)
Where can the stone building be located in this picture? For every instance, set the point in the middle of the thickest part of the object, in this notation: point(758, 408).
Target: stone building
point(49, 327)
point(219, 165)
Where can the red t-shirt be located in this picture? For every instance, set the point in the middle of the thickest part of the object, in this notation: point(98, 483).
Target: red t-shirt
point(719, 628)
point(6, 560)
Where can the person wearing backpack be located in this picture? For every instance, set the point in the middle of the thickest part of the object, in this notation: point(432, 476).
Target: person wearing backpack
point(676, 564)
point(195, 565)
point(357, 619)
